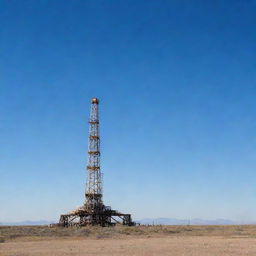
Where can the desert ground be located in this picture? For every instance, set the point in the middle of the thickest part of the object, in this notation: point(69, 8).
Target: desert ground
point(127, 241)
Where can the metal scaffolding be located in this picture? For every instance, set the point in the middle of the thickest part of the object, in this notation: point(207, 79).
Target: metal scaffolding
point(94, 212)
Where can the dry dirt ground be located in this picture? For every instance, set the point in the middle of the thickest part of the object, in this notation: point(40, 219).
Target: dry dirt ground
point(127, 241)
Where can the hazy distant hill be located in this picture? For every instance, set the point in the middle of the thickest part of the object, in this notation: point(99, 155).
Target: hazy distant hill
point(148, 221)
point(27, 223)
point(171, 221)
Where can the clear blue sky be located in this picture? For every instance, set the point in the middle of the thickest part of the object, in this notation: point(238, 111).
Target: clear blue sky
point(176, 82)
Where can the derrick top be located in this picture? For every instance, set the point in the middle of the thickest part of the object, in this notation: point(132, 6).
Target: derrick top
point(95, 101)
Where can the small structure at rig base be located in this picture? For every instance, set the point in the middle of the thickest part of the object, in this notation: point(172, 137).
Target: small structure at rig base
point(94, 212)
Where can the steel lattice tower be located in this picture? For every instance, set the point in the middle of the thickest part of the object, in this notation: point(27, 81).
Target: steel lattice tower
point(93, 193)
point(94, 212)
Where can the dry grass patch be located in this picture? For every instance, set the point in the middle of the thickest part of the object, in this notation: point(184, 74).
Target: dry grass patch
point(45, 232)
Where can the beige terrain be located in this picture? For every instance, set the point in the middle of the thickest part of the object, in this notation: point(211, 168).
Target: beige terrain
point(142, 240)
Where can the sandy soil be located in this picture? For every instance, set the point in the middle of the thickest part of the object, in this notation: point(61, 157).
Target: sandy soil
point(169, 245)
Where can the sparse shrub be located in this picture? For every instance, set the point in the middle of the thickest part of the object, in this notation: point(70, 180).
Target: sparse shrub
point(170, 231)
point(2, 240)
point(13, 236)
point(125, 230)
point(82, 232)
point(102, 236)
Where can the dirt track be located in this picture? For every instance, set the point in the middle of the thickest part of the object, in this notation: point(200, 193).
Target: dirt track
point(192, 246)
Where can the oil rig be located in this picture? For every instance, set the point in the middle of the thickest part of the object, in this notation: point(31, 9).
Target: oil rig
point(94, 212)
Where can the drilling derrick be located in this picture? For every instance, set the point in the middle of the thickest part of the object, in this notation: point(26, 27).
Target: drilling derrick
point(93, 193)
point(94, 212)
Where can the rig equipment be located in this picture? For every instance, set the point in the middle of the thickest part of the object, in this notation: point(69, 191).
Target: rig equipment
point(94, 212)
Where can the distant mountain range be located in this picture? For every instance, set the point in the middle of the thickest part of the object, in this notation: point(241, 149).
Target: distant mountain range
point(27, 223)
point(148, 221)
point(171, 221)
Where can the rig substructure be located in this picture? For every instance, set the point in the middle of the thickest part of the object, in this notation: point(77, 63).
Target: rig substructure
point(94, 212)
